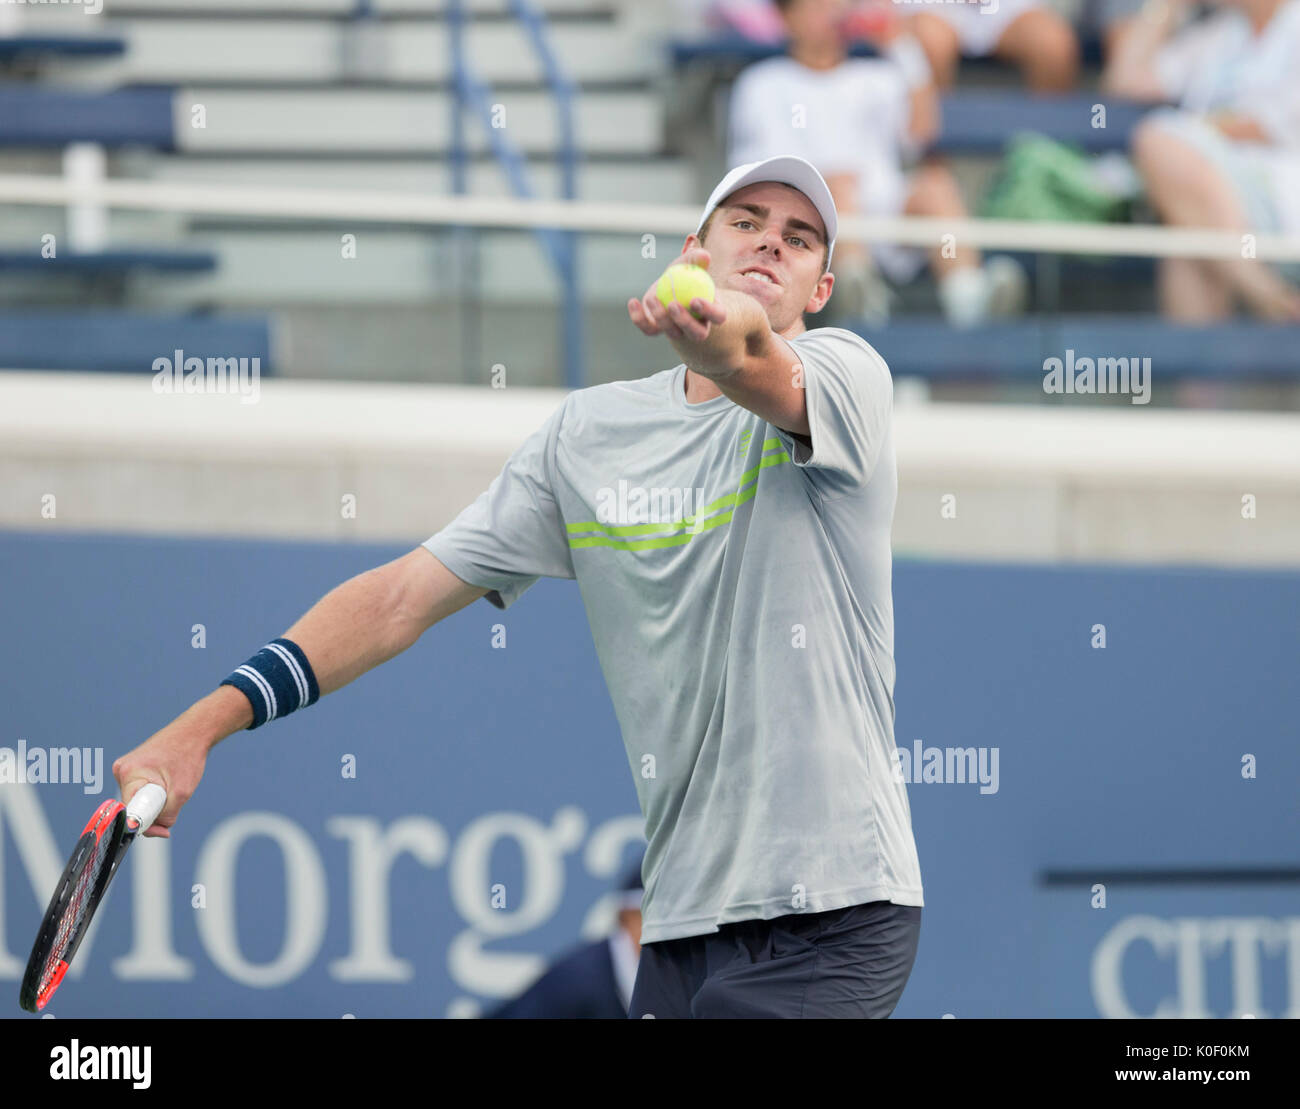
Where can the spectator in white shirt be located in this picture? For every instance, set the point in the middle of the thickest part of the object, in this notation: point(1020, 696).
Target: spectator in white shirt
point(1025, 33)
point(858, 120)
point(756, 20)
point(1229, 155)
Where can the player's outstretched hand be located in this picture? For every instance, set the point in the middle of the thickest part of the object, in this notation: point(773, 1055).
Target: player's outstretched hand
point(653, 317)
point(173, 759)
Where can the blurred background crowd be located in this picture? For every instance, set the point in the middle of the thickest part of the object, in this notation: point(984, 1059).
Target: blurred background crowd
point(1092, 116)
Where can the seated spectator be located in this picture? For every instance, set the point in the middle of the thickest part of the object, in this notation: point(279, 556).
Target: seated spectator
point(593, 981)
point(756, 20)
point(1112, 20)
point(1229, 155)
point(858, 120)
point(1024, 33)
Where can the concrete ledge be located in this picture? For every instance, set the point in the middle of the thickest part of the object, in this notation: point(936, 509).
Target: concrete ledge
point(1029, 484)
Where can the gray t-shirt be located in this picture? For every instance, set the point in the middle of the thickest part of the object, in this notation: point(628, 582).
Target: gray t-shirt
point(737, 584)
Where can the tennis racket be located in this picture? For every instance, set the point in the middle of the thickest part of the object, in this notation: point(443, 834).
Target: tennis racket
point(95, 859)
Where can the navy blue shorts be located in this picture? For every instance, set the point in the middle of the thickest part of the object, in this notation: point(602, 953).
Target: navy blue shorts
point(843, 963)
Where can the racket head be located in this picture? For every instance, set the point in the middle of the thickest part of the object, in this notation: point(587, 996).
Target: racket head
point(73, 903)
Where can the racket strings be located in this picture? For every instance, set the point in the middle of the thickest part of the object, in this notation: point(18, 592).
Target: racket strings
point(77, 907)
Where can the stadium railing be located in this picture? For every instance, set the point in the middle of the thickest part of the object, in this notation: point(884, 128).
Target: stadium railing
point(473, 93)
point(931, 350)
point(37, 117)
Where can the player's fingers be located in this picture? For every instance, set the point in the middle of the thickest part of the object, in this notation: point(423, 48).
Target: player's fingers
point(670, 326)
point(160, 828)
point(659, 313)
point(696, 256)
point(639, 317)
point(135, 779)
point(645, 311)
point(690, 323)
point(710, 310)
point(690, 327)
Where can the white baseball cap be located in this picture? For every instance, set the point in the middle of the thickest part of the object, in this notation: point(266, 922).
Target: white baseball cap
point(785, 169)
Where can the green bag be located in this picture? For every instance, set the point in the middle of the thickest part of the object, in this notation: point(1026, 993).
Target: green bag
point(1042, 179)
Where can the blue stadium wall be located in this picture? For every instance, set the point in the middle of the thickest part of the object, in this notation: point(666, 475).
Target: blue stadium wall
point(1139, 856)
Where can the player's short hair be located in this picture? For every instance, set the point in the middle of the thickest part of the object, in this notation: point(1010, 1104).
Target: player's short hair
point(704, 230)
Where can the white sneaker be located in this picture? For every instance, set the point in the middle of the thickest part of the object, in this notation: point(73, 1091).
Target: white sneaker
point(971, 296)
point(964, 296)
point(1008, 287)
point(860, 296)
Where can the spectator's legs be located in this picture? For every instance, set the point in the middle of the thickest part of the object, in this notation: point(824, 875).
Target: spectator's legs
point(860, 292)
point(1190, 290)
point(1115, 20)
point(1113, 35)
point(970, 293)
point(935, 193)
point(941, 46)
point(845, 190)
point(1188, 190)
point(1044, 47)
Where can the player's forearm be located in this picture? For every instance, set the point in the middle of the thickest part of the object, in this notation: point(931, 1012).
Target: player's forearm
point(360, 624)
point(378, 615)
point(723, 352)
point(207, 722)
point(352, 629)
point(349, 631)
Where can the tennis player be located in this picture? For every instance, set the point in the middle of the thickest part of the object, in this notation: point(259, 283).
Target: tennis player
point(728, 523)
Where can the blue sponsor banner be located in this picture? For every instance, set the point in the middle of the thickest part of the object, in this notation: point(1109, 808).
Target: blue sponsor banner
point(1103, 830)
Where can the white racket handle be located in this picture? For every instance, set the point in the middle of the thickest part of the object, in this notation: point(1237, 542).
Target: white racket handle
point(145, 805)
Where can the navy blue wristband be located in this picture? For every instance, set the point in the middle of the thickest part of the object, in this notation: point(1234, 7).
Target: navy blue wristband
point(277, 680)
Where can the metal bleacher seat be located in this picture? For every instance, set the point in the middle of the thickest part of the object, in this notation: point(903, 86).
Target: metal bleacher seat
point(102, 277)
point(98, 262)
point(20, 48)
point(1242, 350)
point(127, 342)
point(982, 120)
point(37, 117)
point(732, 48)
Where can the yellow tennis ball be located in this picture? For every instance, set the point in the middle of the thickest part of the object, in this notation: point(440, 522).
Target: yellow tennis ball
point(683, 284)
